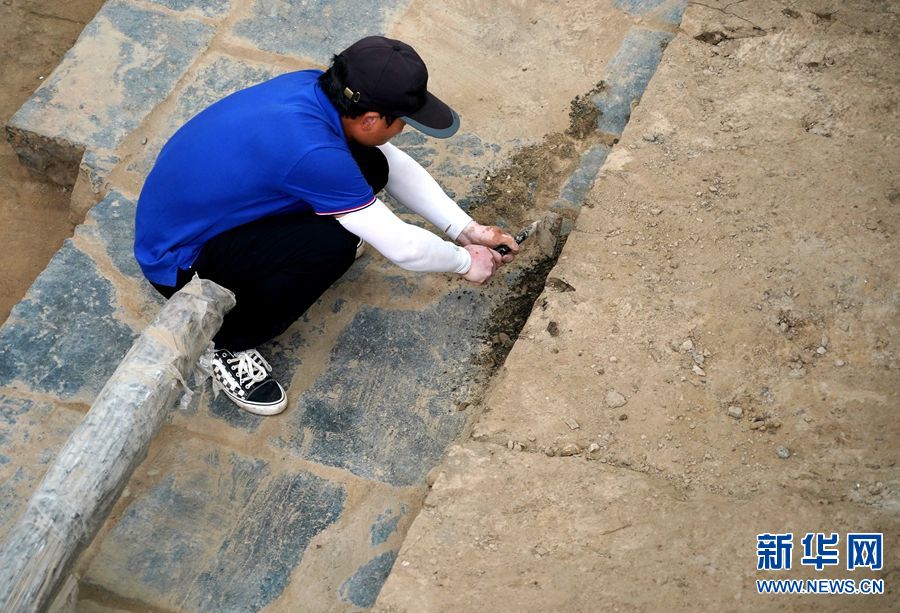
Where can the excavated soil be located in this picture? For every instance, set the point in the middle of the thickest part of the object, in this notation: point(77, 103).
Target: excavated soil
point(34, 35)
point(520, 191)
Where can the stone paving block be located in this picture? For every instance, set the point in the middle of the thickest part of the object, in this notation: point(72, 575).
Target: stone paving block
point(31, 434)
point(316, 29)
point(93, 169)
point(386, 524)
point(135, 56)
point(219, 76)
point(207, 8)
point(670, 11)
point(345, 568)
point(627, 76)
point(205, 529)
point(111, 222)
point(64, 338)
point(458, 163)
point(362, 588)
point(576, 188)
point(385, 408)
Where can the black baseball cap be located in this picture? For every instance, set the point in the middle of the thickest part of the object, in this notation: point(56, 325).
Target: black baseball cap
point(388, 76)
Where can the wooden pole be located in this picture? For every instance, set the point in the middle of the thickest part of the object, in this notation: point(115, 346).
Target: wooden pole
point(81, 486)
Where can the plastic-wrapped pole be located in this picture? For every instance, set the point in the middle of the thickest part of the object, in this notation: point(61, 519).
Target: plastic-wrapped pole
point(81, 486)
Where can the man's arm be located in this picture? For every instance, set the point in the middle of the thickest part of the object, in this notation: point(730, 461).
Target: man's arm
point(416, 249)
point(417, 190)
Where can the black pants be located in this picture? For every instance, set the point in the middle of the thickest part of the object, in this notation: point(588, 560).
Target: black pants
point(278, 266)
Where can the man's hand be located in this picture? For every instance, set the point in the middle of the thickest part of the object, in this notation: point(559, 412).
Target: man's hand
point(485, 262)
point(488, 236)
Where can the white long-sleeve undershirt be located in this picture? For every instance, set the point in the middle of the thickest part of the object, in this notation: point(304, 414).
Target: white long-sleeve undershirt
point(406, 245)
point(417, 190)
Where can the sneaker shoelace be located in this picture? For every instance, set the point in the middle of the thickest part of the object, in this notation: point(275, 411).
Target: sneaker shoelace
point(251, 367)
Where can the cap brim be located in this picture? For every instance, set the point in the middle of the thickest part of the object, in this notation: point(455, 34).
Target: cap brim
point(434, 119)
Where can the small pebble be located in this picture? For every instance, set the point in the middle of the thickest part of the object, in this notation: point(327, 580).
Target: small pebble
point(687, 345)
point(613, 359)
point(783, 452)
point(573, 425)
point(736, 412)
point(615, 400)
point(698, 371)
point(570, 449)
point(821, 350)
point(594, 447)
point(144, 141)
point(839, 363)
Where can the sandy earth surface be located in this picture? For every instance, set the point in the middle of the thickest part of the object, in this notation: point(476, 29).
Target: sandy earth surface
point(715, 355)
point(34, 35)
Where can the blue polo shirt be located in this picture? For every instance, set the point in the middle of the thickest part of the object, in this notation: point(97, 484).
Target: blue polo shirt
point(276, 147)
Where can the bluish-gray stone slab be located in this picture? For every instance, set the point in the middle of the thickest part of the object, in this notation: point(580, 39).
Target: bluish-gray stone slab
point(31, 434)
point(385, 525)
point(224, 75)
point(316, 29)
point(215, 532)
point(133, 56)
point(417, 145)
point(63, 337)
point(208, 8)
point(577, 186)
point(462, 158)
point(670, 11)
point(256, 560)
point(627, 76)
point(111, 221)
point(362, 588)
point(96, 166)
point(390, 415)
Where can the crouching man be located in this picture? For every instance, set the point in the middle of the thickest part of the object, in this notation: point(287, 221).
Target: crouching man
point(271, 193)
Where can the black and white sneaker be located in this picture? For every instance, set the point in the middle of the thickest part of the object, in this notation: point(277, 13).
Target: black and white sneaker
point(244, 377)
point(360, 248)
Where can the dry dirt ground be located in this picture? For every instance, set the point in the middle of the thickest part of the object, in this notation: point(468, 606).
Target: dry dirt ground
point(716, 353)
point(34, 35)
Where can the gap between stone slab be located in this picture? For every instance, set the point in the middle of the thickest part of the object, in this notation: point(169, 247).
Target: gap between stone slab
point(271, 455)
point(104, 597)
point(42, 398)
